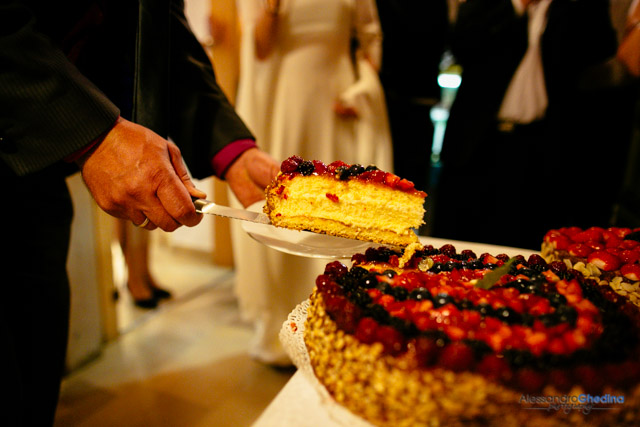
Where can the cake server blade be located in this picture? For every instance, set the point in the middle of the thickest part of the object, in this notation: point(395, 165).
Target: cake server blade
point(207, 207)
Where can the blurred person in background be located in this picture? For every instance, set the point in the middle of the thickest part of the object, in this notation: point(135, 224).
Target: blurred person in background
point(528, 146)
point(309, 87)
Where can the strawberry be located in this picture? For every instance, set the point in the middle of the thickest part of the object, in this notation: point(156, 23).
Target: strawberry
point(604, 260)
point(592, 234)
point(596, 246)
point(628, 256)
point(611, 239)
point(619, 232)
point(570, 231)
point(558, 241)
point(580, 250)
point(405, 185)
point(631, 272)
point(629, 244)
point(391, 180)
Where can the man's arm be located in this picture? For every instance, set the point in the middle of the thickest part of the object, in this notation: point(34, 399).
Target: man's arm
point(48, 109)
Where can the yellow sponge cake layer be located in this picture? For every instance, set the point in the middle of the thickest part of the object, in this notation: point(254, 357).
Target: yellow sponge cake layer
point(352, 208)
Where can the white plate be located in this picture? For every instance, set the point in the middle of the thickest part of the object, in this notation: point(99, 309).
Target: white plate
point(303, 243)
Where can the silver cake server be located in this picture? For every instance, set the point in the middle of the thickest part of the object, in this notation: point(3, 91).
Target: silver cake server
point(207, 207)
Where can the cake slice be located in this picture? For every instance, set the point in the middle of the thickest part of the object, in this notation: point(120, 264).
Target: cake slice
point(345, 200)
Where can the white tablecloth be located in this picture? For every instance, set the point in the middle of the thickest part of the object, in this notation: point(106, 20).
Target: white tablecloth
point(300, 404)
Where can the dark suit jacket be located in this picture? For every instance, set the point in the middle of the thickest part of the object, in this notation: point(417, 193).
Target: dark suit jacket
point(69, 68)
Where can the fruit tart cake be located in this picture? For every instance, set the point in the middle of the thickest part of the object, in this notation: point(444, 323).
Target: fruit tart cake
point(344, 200)
point(609, 256)
point(456, 339)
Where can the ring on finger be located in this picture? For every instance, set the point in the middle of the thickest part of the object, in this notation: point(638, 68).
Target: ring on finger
point(144, 223)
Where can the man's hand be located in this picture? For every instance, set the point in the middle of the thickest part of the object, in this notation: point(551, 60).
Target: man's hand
point(249, 174)
point(135, 174)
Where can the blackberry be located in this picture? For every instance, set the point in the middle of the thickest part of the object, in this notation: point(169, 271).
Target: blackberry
point(306, 168)
point(371, 168)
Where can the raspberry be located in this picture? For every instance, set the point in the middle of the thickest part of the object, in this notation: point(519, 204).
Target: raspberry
point(366, 330)
point(560, 379)
point(427, 350)
point(591, 380)
point(536, 259)
point(456, 357)
point(336, 269)
point(391, 340)
point(494, 368)
point(530, 380)
point(290, 165)
point(320, 167)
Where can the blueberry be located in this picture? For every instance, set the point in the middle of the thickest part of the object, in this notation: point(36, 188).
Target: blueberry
point(420, 294)
point(442, 299)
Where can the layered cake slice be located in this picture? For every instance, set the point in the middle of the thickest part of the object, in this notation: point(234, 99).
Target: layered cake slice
point(610, 256)
point(345, 200)
point(458, 339)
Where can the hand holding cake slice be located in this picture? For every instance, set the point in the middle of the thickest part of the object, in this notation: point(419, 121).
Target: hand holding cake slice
point(345, 200)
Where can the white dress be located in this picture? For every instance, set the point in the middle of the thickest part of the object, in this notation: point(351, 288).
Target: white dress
point(287, 101)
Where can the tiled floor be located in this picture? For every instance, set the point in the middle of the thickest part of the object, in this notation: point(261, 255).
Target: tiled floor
point(182, 364)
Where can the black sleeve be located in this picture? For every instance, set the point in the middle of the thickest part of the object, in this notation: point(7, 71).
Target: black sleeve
point(48, 109)
point(202, 119)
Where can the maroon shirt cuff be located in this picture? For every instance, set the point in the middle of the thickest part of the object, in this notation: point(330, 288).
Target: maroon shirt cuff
point(225, 157)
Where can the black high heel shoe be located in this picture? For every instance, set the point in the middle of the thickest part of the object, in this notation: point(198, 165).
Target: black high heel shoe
point(160, 293)
point(147, 302)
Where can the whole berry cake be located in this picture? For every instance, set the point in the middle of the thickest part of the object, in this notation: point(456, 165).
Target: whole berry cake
point(345, 200)
point(454, 338)
point(610, 256)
